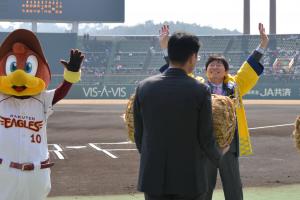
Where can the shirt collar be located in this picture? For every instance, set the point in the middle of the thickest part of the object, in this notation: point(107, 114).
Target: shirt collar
point(217, 85)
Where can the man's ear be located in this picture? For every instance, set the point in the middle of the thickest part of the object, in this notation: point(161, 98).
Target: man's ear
point(192, 59)
point(189, 61)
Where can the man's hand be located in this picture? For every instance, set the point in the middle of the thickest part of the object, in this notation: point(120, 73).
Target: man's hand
point(75, 61)
point(264, 39)
point(164, 36)
point(225, 150)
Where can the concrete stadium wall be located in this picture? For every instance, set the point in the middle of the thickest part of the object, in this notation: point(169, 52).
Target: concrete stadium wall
point(261, 91)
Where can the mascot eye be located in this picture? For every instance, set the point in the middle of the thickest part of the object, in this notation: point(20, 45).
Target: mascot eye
point(11, 64)
point(31, 65)
point(28, 67)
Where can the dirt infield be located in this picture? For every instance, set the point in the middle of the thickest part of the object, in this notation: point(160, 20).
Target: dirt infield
point(88, 145)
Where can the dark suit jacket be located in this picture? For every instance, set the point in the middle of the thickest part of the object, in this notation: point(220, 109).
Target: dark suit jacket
point(173, 133)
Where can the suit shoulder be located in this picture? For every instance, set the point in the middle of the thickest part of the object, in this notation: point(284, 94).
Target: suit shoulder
point(198, 84)
point(149, 80)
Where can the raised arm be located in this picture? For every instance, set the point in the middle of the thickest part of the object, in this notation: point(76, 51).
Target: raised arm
point(248, 75)
point(71, 75)
point(163, 41)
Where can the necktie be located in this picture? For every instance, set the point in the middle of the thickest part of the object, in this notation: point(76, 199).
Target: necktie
point(218, 90)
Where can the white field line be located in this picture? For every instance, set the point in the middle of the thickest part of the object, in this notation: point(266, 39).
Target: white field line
point(75, 147)
point(272, 126)
point(103, 150)
point(115, 143)
point(57, 151)
point(59, 155)
point(120, 149)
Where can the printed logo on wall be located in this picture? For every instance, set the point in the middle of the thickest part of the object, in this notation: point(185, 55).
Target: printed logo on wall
point(109, 92)
point(271, 92)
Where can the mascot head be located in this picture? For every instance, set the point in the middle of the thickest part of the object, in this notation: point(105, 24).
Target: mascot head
point(24, 70)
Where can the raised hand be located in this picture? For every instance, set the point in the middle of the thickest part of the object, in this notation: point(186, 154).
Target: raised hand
point(264, 39)
point(75, 61)
point(164, 36)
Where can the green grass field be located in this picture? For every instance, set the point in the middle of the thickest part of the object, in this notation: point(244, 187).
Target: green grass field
point(290, 192)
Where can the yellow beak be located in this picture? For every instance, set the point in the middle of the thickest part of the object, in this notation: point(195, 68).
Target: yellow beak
point(19, 78)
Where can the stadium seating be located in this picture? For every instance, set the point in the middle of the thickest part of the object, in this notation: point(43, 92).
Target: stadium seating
point(129, 59)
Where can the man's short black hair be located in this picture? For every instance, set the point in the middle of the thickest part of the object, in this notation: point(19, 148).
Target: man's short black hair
point(219, 59)
point(181, 46)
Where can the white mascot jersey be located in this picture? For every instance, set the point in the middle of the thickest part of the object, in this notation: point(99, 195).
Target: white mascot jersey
point(23, 139)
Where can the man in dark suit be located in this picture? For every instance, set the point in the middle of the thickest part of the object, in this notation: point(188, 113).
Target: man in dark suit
point(173, 127)
point(217, 69)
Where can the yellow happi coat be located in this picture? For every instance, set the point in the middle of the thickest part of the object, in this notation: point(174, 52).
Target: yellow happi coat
point(245, 79)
